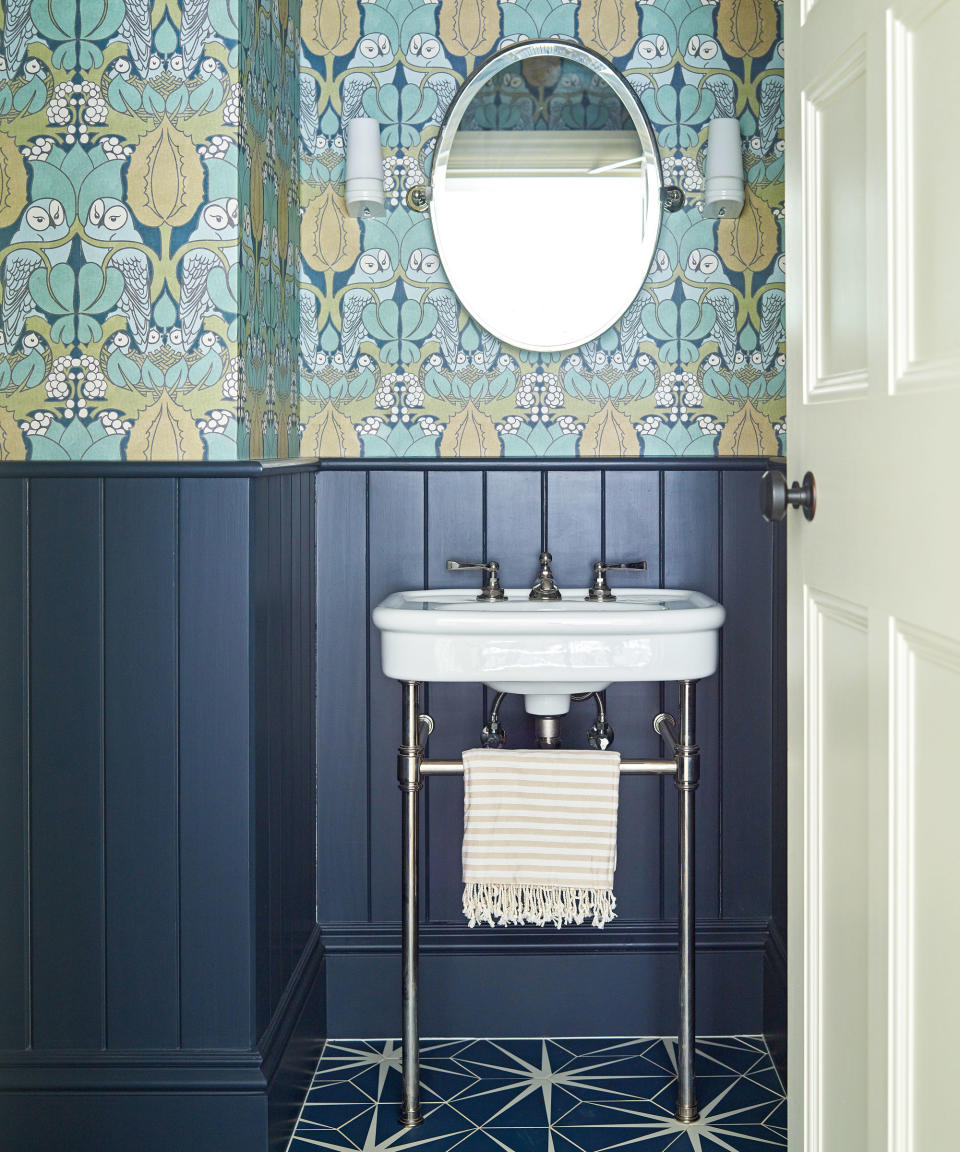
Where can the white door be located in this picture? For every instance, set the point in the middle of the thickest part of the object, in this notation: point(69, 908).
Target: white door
point(873, 235)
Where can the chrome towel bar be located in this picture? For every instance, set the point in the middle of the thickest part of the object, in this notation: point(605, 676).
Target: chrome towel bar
point(629, 767)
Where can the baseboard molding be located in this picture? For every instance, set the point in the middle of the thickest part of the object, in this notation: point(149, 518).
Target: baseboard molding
point(775, 997)
point(245, 1101)
point(530, 981)
point(156, 1071)
point(57, 1121)
point(290, 1046)
point(277, 1035)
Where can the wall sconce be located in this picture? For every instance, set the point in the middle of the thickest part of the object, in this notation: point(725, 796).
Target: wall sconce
point(723, 187)
point(364, 190)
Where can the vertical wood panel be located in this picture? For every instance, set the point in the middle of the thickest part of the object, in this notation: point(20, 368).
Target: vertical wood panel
point(574, 525)
point(301, 799)
point(632, 532)
point(342, 721)
point(140, 773)
point(778, 827)
point(748, 682)
point(281, 542)
point(691, 560)
point(513, 531)
point(216, 951)
point(574, 519)
point(261, 591)
point(289, 843)
point(14, 846)
point(279, 662)
point(396, 562)
point(454, 531)
point(66, 658)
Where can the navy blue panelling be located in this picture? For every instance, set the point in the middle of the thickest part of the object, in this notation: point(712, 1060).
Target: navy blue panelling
point(574, 520)
point(216, 946)
point(514, 981)
point(270, 636)
point(300, 796)
point(779, 727)
point(171, 639)
point(140, 775)
point(66, 735)
point(285, 865)
point(267, 929)
point(14, 788)
point(631, 509)
point(775, 968)
point(342, 730)
point(748, 699)
point(514, 524)
point(454, 517)
point(149, 1122)
point(691, 559)
point(284, 771)
point(674, 518)
point(514, 532)
point(396, 518)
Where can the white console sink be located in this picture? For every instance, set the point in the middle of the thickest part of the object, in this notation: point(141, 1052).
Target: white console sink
point(548, 650)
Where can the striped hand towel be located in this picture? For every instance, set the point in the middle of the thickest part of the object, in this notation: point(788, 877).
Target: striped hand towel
point(539, 836)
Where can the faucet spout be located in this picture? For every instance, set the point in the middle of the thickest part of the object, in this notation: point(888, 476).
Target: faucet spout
point(545, 588)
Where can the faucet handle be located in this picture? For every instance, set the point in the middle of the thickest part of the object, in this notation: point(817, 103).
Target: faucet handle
point(600, 589)
point(492, 588)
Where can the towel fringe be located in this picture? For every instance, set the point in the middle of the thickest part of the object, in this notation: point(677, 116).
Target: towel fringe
point(503, 904)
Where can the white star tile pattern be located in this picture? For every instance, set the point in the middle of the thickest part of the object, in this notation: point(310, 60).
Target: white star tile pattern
point(569, 1095)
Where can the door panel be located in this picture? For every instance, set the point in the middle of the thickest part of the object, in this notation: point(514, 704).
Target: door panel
point(925, 899)
point(837, 845)
point(835, 158)
point(927, 350)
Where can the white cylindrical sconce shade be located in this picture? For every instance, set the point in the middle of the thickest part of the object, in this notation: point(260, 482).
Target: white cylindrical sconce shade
point(364, 191)
point(723, 187)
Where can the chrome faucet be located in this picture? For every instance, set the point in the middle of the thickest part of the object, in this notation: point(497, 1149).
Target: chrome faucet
point(492, 588)
point(600, 590)
point(545, 588)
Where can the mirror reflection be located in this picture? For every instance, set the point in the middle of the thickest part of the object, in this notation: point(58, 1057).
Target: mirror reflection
point(546, 196)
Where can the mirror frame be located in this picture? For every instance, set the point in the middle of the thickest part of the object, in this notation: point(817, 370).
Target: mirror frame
point(586, 57)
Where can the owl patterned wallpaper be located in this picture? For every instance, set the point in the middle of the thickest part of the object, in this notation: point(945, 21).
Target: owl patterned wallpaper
point(391, 366)
point(269, 319)
point(147, 222)
point(150, 237)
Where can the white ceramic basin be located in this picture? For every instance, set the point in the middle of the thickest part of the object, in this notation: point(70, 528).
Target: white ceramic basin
point(547, 650)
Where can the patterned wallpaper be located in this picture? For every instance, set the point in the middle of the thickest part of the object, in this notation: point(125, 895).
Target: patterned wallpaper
point(269, 316)
point(130, 136)
point(390, 365)
point(149, 236)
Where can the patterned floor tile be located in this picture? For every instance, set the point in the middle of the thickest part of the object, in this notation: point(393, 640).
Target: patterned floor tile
point(592, 1094)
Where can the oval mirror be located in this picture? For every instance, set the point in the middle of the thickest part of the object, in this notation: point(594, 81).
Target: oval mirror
point(546, 195)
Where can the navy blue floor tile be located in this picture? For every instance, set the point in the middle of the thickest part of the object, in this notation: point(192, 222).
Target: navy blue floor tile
point(596, 1094)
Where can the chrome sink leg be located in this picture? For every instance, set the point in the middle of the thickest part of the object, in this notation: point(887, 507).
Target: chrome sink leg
point(687, 779)
point(409, 757)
